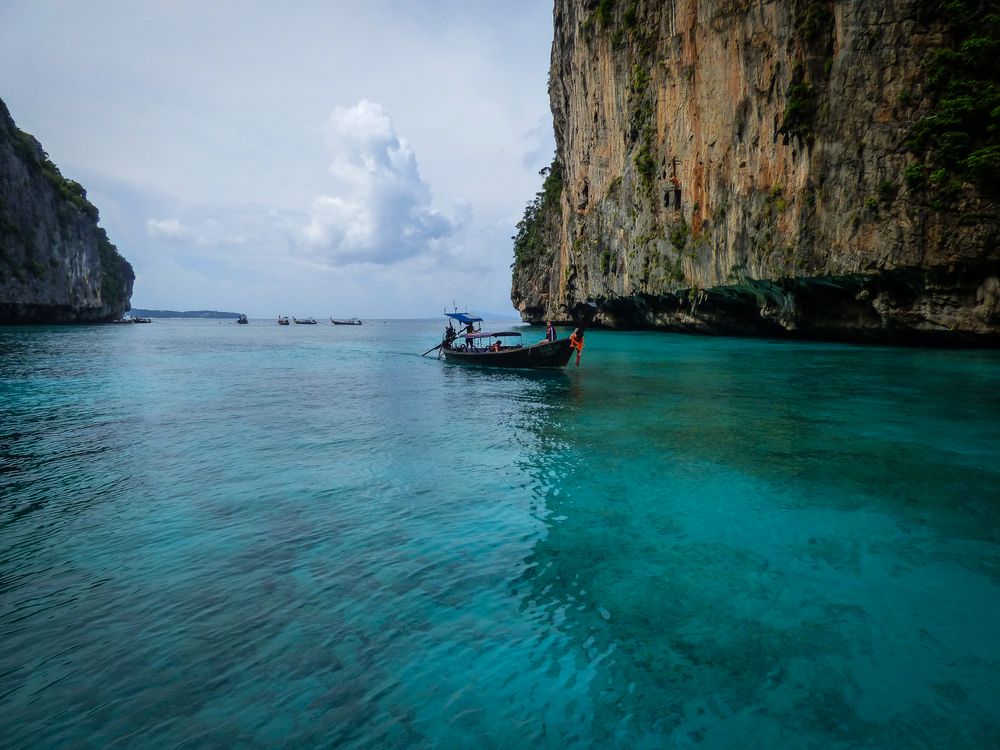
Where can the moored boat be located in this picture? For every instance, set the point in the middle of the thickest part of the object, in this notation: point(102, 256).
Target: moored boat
point(350, 322)
point(304, 321)
point(282, 321)
point(242, 320)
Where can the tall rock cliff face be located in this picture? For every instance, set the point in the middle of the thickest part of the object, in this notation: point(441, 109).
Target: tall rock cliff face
point(56, 264)
point(772, 167)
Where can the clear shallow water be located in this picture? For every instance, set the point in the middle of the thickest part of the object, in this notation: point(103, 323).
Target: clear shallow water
point(217, 535)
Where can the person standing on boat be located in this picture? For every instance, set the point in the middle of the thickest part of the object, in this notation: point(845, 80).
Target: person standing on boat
point(576, 341)
point(550, 332)
point(470, 329)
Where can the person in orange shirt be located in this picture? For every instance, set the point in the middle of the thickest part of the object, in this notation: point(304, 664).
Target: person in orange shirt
point(576, 341)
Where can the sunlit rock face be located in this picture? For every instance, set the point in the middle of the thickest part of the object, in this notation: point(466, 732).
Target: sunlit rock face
point(56, 264)
point(759, 168)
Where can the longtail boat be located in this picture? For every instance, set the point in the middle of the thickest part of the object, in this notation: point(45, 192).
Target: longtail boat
point(503, 348)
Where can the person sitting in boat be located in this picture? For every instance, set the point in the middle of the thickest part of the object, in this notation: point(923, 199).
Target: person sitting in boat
point(496, 346)
point(550, 332)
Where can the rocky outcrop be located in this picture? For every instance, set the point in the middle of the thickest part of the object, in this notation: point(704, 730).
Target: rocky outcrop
point(56, 264)
point(821, 169)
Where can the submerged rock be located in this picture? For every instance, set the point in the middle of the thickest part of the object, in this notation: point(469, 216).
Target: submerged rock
point(56, 264)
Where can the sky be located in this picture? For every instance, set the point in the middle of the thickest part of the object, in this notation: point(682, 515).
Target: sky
point(306, 158)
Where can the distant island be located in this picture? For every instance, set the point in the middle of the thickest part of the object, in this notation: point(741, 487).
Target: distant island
point(138, 312)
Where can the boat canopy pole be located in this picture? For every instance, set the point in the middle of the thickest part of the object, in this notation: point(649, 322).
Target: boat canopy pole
point(584, 312)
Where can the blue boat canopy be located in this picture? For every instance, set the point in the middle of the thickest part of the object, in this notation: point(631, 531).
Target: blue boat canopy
point(464, 317)
point(487, 335)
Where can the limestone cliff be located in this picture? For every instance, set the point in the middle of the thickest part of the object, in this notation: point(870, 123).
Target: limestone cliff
point(56, 264)
point(772, 167)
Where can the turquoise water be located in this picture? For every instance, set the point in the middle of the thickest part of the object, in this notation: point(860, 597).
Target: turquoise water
point(256, 536)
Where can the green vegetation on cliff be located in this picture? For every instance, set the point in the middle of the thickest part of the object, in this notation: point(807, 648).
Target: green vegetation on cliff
point(958, 137)
point(114, 282)
point(813, 21)
point(800, 108)
point(641, 129)
point(31, 152)
point(530, 240)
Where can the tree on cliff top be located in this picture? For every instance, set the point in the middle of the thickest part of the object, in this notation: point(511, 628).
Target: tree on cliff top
point(529, 242)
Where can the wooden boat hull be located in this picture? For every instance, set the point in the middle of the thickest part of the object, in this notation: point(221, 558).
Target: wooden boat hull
point(546, 354)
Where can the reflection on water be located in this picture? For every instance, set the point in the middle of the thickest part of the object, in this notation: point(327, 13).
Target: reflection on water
point(252, 536)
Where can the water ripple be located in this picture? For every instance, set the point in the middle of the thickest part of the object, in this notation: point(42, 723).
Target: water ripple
point(251, 536)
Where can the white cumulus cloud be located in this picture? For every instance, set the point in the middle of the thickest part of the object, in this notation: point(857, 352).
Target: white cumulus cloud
point(384, 213)
point(168, 229)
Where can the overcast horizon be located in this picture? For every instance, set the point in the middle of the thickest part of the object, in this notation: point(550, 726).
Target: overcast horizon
point(322, 159)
